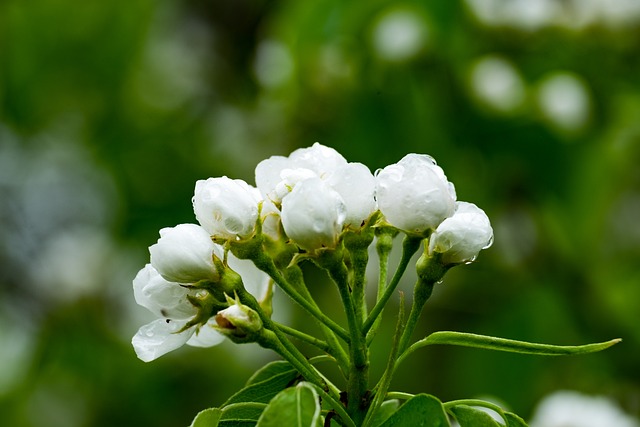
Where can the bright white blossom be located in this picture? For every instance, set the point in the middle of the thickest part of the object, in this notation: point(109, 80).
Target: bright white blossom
point(184, 254)
point(414, 194)
point(312, 196)
point(313, 215)
point(462, 236)
point(226, 208)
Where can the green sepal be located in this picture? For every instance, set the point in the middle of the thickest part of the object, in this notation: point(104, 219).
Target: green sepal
point(207, 418)
point(472, 417)
point(295, 406)
point(422, 410)
point(264, 390)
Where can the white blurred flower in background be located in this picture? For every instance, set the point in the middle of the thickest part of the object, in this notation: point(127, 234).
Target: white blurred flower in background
point(573, 409)
point(399, 35)
point(564, 101)
point(496, 83)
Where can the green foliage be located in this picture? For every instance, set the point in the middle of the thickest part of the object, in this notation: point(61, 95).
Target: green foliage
point(472, 417)
point(422, 410)
point(264, 390)
point(207, 418)
point(296, 406)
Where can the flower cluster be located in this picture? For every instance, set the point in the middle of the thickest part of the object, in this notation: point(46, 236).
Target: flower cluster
point(307, 201)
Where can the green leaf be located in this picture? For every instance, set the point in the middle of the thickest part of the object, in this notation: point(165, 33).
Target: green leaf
point(513, 420)
point(503, 344)
point(422, 410)
point(294, 407)
point(385, 410)
point(263, 391)
point(243, 411)
point(237, 423)
point(270, 370)
point(207, 418)
point(471, 417)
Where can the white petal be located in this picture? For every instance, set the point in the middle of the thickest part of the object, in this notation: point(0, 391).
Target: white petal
point(206, 336)
point(268, 173)
point(255, 280)
point(323, 160)
point(356, 185)
point(158, 338)
point(162, 298)
point(183, 254)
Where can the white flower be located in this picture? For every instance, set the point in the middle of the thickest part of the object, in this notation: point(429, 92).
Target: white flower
point(313, 215)
point(460, 237)
point(278, 175)
point(169, 301)
point(414, 194)
point(356, 185)
point(184, 254)
point(572, 409)
point(225, 207)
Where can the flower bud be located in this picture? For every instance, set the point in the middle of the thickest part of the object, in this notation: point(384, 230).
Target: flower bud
point(313, 215)
point(184, 254)
point(414, 194)
point(238, 321)
point(461, 237)
point(226, 208)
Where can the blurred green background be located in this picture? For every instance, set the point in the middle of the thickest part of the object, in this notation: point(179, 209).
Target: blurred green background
point(110, 111)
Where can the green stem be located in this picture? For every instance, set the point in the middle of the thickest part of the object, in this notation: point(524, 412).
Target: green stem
point(357, 244)
point(293, 275)
point(272, 337)
point(265, 263)
point(322, 345)
point(430, 271)
point(384, 244)
point(359, 373)
point(338, 407)
point(385, 381)
point(421, 294)
point(409, 247)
